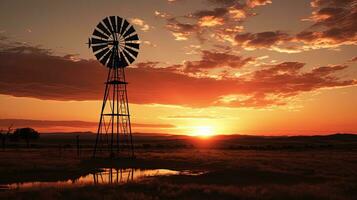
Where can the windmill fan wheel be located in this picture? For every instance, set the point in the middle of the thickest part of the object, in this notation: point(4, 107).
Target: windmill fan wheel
point(115, 42)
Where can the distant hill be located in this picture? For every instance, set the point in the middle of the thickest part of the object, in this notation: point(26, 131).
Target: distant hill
point(233, 142)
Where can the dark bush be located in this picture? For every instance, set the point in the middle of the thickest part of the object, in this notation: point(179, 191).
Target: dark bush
point(26, 134)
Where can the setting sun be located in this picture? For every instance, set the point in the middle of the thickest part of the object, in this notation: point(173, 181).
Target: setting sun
point(203, 131)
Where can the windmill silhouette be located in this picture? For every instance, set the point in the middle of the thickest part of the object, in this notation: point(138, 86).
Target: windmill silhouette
point(115, 44)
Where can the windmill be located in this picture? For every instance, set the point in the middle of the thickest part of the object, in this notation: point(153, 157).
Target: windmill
point(115, 44)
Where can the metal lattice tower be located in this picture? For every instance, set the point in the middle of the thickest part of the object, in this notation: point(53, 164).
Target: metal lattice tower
point(115, 44)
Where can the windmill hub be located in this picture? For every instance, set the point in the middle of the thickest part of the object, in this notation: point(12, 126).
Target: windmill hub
point(115, 44)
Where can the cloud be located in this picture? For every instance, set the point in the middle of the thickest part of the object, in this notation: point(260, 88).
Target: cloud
point(217, 12)
point(146, 42)
point(211, 60)
point(36, 72)
point(173, 1)
point(291, 80)
point(237, 13)
point(139, 22)
point(27, 71)
point(247, 3)
point(276, 83)
point(317, 3)
point(223, 2)
point(181, 31)
point(148, 64)
point(255, 3)
point(193, 117)
point(46, 125)
point(212, 22)
point(228, 13)
point(272, 40)
point(266, 39)
point(354, 59)
point(227, 34)
point(161, 14)
point(334, 24)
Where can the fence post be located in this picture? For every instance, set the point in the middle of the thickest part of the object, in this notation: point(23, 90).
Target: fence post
point(78, 146)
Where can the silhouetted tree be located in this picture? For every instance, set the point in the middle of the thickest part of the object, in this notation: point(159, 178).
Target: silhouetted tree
point(4, 135)
point(27, 134)
point(3, 138)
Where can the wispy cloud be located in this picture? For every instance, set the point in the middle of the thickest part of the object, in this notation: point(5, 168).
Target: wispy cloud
point(141, 23)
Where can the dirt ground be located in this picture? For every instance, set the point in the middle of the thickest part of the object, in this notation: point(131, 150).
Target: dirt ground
point(229, 174)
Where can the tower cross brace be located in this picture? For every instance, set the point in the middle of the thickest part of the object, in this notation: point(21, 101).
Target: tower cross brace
point(114, 131)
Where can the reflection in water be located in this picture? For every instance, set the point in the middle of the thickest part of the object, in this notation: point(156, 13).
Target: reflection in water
point(111, 175)
point(103, 176)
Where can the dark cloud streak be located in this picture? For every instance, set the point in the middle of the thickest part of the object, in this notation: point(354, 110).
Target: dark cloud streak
point(34, 72)
point(5, 123)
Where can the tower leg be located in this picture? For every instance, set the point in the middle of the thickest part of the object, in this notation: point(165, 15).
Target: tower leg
point(127, 108)
point(106, 92)
point(114, 119)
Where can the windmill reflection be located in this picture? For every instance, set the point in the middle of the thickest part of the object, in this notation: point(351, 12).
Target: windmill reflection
point(113, 176)
point(103, 176)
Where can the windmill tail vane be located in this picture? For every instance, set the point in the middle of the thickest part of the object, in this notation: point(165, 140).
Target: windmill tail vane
point(115, 44)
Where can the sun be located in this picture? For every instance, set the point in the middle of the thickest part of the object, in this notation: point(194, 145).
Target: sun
point(203, 131)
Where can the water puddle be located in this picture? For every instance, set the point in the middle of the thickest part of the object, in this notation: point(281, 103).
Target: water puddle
point(102, 176)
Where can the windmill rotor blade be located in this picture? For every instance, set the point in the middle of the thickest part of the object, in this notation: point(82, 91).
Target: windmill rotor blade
point(105, 58)
point(129, 31)
point(100, 34)
point(101, 27)
point(122, 61)
point(98, 41)
point(131, 51)
point(107, 24)
point(113, 22)
point(128, 57)
point(119, 24)
point(100, 54)
point(124, 27)
point(132, 45)
point(132, 38)
point(99, 47)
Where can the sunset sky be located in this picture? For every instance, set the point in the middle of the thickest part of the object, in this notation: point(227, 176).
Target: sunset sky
point(267, 67)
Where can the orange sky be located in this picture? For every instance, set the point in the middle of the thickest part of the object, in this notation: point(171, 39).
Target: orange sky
point(269, 67)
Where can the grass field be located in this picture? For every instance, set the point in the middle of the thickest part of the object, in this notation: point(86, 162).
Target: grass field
point(235, 168)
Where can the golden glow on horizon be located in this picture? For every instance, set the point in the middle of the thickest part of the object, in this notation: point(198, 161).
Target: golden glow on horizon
point(203, 131)
point(317, 112)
